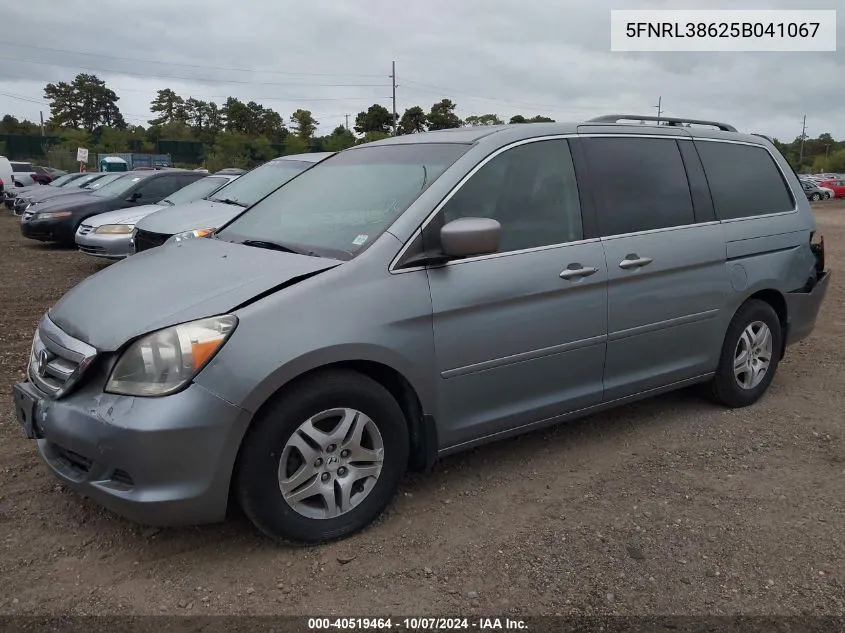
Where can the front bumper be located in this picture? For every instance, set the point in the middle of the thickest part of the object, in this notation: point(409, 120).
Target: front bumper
point(163, 461)
point(110, 246)
point(802, 309)
point(52, 230)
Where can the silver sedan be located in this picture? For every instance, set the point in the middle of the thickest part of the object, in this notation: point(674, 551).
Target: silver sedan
point(109, 235)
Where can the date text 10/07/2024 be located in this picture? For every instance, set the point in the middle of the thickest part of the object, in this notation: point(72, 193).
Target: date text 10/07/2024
point(417, 624)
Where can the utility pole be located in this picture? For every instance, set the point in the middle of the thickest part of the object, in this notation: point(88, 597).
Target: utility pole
point(347, 121)
point(659, 110)
point(42, 122)
point(393, 83)
point(803, 134)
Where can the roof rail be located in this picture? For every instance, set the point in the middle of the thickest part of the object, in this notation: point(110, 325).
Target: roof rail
point(671, 121)
point(768, 138)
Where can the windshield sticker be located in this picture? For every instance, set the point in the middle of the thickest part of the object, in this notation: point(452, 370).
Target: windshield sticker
point(360, 239)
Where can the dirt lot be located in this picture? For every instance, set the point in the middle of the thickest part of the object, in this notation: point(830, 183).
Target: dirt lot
point(669, 506)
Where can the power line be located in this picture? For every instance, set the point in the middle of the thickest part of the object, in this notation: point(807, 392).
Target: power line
point(195, 79)
point(153, 61)
point(251, 98)
point(469, 96)
point(12, 96)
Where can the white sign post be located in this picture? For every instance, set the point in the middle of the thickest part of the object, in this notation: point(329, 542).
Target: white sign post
point(82, 157)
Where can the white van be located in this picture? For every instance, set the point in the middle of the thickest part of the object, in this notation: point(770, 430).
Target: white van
point(6, 181)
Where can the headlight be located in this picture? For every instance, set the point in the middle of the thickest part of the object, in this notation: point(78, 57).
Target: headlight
point(51, 215)
point(115, 229)
point(162, 362)
point(189, 235)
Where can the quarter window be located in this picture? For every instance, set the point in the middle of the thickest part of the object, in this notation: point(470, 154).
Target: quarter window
point(744, 180)
point(640, 184)
point(530, 190)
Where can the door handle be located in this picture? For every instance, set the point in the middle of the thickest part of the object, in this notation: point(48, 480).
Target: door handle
point(634, 261)
point(580, 271)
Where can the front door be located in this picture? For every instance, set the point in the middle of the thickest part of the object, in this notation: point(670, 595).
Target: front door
point(666, 262)
point(519, 335)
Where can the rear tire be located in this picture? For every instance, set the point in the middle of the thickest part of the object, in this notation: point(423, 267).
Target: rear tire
point(815, 197)
point(752, 343)
point(279, 453)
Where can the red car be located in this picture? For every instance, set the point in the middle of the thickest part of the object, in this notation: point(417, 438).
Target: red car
point(838, 187)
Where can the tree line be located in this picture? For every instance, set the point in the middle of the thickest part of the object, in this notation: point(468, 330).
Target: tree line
point(84, 113)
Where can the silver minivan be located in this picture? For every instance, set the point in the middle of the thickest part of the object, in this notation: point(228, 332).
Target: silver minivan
point(417, 296)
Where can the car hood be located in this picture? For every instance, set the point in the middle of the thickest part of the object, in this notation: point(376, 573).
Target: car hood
point(44, 193)
point(70, 201)
point(130, 215)
point(21, 191)
point(141, 294)
point(199, 214)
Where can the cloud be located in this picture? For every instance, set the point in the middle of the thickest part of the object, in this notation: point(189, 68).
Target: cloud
point(529, 57)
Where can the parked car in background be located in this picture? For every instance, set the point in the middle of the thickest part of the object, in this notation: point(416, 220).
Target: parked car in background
point(828, 193)
point(88, 182)
point(57, 220)
point(200, 218)
point(109, 235)
point(404, 299)
point(23, 173)
point(812, 191)
point(837, 186)
point(60, 181)
point(45, 175)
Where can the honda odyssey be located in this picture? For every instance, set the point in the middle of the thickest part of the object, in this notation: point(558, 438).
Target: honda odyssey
point(416, 296)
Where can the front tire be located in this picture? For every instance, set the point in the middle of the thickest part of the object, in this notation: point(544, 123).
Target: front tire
point(750, 356)
point(324, 459)
point(815, 197)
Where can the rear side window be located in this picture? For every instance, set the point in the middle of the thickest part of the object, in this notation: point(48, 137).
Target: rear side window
point(640, 184)
point(744, 180)
point(21, 167)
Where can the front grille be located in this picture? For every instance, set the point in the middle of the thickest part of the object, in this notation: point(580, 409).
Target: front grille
point(93, 250)
point(85, 229)
point(57, 360)
point(145, 240)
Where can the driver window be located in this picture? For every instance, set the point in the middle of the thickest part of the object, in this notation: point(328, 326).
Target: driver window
point(530, 190)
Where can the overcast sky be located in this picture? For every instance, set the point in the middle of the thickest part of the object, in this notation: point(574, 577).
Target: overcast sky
point(333, 57)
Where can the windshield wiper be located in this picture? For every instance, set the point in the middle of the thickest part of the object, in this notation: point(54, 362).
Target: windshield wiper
point(229, 201)
point(274, 246)
point(166, 201)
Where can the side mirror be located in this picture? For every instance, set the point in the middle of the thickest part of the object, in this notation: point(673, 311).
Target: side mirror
point(135, 196)
point(469, 237)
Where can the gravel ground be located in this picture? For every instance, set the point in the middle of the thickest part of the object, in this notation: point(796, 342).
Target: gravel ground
point(669, 506)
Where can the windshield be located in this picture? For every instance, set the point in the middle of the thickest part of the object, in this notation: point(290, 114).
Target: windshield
point(62, 180)
point(115, 185)
point(79, 183)
point(340, 206)
point(196, 190)
point(256, 184)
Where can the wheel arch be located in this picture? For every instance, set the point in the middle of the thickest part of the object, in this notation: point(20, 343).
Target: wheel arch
point(777, 301)
point(422, 430)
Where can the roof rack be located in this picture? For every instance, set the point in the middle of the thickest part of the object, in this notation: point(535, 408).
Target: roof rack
point(668, 120)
